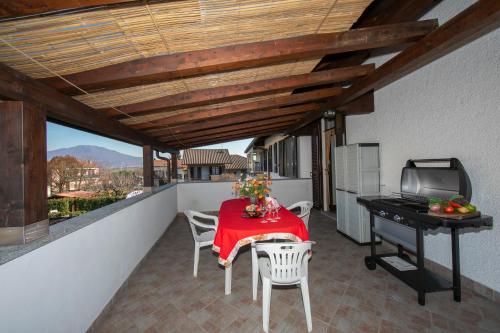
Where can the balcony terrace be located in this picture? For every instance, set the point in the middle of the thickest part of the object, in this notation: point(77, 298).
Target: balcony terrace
point(418, 80)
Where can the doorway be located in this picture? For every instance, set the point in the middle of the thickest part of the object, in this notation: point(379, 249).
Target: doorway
point(329, 137)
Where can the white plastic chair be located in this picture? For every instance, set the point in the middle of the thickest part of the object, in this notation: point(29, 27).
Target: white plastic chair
point(305, 210)
point(201, 239)
point(133, 194)
point(285, 265)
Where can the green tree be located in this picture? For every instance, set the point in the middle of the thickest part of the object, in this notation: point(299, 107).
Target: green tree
point(61, 170)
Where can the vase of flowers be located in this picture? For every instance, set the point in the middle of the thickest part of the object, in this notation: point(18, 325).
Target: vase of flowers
point(253, 188)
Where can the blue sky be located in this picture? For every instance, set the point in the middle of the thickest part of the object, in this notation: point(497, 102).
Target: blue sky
point(63, 137)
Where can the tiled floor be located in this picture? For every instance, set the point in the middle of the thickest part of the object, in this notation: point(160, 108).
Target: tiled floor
point(163, 295)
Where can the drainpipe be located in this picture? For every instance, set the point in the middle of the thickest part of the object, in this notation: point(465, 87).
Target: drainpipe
point(169, 178)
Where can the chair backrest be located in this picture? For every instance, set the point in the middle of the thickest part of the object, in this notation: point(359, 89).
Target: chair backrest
point(193, 222)
point(305, 210)
point(288, 260)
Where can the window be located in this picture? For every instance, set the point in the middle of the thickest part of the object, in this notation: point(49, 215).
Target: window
point(215, 170)
point(288, 166)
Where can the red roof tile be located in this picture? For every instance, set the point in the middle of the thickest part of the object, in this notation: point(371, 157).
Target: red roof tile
point(206, 157)
point(238, 163)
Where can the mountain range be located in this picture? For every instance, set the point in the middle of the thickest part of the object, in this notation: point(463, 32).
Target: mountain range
point(99, 155)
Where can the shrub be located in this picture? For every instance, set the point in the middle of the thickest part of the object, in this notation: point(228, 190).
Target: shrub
point(61, 205)
point(77, 206)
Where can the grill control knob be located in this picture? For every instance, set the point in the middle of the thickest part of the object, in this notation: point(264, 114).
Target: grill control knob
point(382, 213)
point(398, 218)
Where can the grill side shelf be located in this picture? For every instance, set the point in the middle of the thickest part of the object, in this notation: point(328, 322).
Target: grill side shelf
point(433, 282)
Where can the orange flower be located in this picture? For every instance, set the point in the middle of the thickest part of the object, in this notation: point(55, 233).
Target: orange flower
point(261, 196)
point(255, 192)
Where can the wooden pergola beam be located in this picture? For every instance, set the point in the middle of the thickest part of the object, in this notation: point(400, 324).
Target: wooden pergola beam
point(19, 8)
point(239, 91)
point(379, 12)
point(361, 105)
point(219, 139)
point(246, 118)
point(238, 109)
point(61, 108)
point(473, 22)
point(234, 57)
point(187, 133)
point(280, 125)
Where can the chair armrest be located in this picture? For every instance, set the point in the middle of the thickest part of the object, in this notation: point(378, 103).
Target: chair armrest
point(295, 205)
point(208, 217)
point(203, 225)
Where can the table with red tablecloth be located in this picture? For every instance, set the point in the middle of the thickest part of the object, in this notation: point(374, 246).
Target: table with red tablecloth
point(235, 231)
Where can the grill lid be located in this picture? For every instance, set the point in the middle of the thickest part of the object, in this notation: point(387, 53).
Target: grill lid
point(429, 180)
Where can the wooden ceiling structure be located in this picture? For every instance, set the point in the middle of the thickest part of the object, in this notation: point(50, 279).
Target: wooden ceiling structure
point(182, 74)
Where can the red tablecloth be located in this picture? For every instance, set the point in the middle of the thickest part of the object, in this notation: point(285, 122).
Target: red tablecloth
point(235, 231)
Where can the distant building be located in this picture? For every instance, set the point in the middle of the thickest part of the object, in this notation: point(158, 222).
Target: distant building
point(182, 171)
point(204, 163)
point(238, 166)
point(213, 164)
point(162, 170)
point(87, 175)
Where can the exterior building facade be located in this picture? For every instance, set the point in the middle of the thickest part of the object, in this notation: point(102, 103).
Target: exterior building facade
point(213, 164)
point(280, 156)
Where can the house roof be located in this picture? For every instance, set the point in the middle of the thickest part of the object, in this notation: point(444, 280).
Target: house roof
point(181, 165)
point(88, 164)
point(206, 157)
point(75, 194)
point(239, 163)
point(256, 142)
point(160, 163)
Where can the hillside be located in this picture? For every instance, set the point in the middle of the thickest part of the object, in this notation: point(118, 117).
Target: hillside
point(103, 156)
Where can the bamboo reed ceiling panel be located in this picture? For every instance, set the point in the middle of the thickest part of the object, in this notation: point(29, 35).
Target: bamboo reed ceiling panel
point(153, 117)
point(86, 40)
point(142, 93)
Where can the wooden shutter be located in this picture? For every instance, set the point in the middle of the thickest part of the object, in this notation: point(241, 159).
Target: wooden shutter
point(281, 163)
point(275, 157)
point(317, 181)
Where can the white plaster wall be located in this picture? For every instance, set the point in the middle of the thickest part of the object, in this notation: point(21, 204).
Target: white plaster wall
point(210, 195)
point(304, 156)
point(63, 286)
point(449, 108)
point(203, 196)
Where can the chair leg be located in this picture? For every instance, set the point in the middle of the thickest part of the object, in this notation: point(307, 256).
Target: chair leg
point(196, 258)
point(255, 274)
point(228, 276)
point(266, 303)
point(304, 287)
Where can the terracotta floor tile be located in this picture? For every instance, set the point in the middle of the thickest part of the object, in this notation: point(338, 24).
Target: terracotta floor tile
point(163, 296)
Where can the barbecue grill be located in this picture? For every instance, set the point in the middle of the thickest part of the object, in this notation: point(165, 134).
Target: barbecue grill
point(401, 219)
